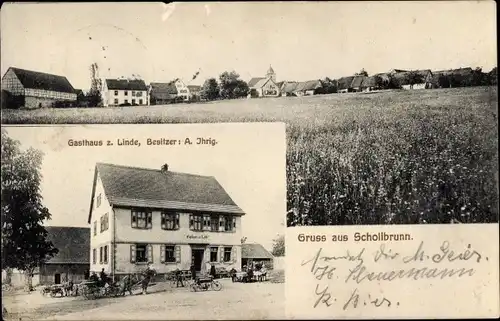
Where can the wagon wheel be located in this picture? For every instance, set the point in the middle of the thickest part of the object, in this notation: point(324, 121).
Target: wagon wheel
point(216, 286)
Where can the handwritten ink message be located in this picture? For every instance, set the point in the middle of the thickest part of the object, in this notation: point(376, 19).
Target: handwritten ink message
point(132, 142)
point(376, 271)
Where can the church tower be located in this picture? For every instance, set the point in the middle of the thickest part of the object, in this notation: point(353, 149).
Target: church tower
point(271, 74)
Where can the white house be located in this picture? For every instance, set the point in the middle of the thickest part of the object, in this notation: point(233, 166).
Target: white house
point(117, 92)
point(170, 219)
point(264, 86)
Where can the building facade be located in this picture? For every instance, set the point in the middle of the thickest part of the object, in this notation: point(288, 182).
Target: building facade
point(172, 220)
point(33, 89)
point(116, 92)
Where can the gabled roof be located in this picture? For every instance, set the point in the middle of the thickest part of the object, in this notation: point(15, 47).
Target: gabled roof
point(345, 82)
point(125, 84)
point(73, 244)
point(357, 81)
point(161, 90)
point(369, 82)
point(150, 188)
point(308, 85)
point(40, 80)
point(194, 88)
point(254, 81)
point(289, 87)
point(254, 251)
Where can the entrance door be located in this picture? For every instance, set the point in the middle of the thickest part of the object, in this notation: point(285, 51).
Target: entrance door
point(197, 258)
point(57, 278)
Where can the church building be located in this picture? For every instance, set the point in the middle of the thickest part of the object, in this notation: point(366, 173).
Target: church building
point(264, 86)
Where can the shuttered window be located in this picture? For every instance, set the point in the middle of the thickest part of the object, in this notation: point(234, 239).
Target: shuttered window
point(214, 223)
point(100, 255)
point(142, 219)
point(94, 256)
point(169, 221)
point(196, 222)
point(213, 254)
point(228, 223)
point(221, 254)
point(141, 253)
point(105, 254)
point(177, 254)
point(206, 222)
point(228, 250)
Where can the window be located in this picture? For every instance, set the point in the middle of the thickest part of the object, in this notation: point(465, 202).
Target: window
point(214, 223)
point(141, 253)
point(228, 221)
point(227, 254)
point(140, 101)
point(170, 253)
point(104, 222)
point(213, 254)
point(98, 201)
point(100, 255)
point(116, 94)
point(138, 93)
point(116, 101)
point(105, 254)
point(206, 222)
point(133, 93)
point(195, 222)
point(126, 101)
point(142, 219)
point(95, 228)
point(94, 256)
point(133, 101)
point(169, 221)
point(126, 93)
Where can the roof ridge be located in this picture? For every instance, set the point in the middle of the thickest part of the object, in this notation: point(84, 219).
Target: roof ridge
point(62, 226)
point(154, 170)
point(38, 72)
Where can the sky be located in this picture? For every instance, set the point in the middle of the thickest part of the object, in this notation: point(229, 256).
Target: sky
point(301, 40)
point(248, 161)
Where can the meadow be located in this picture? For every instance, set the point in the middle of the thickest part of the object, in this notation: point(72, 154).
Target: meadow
point(400, 157)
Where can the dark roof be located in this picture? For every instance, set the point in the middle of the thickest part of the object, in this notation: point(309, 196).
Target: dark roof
point(345, 82)
point(462, 71)
point(254, 81)
point(151, 188)
point(163, 90)
point(254, 251)
point(369, 82)
point(308, 85)
point(357, 81)
point(126, 84)
point(73, 244)
point(194, 88)
point(422, 76)
point(289, 87)
point(41, 80)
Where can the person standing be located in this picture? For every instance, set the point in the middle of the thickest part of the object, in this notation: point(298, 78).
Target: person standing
point(178, 275)
point(148, 273)
point(193, 272)
point(213, 272)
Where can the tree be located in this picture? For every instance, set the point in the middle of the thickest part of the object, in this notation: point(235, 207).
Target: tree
point(24, 238)
point(362, 72)
point(231, 86)
point(412, 78)
point(94, 95)
point(328, 86)
point(210, 89)
point(492, 76)
point(279, 246)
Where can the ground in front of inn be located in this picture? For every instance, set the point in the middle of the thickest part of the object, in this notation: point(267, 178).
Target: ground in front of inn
point(237, 301)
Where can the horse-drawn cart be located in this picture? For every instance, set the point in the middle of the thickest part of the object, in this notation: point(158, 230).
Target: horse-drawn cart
point(98, 289)
point(53, 290)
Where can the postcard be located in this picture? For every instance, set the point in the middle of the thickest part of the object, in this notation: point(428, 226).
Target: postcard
point(388, 112)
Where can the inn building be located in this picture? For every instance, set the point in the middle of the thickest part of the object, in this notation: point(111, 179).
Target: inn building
point(172, 220)
point(124, 92)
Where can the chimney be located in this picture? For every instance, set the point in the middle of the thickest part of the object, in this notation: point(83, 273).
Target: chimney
point(164, 168)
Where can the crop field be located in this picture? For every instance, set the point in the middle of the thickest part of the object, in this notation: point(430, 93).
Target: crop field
point(400, 157)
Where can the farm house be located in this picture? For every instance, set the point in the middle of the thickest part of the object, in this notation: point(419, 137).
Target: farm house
point(254, 252)
point(33, 89)
point(357, 82)
point(162, 93)
point(344, 84)
point(288, 87)
point(72, 262)
point(307, 88)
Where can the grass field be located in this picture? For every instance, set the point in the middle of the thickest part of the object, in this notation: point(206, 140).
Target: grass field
point(423, 156)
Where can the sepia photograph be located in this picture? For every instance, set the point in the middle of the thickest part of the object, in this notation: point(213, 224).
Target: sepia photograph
point(135, 222)
point(391, 107)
